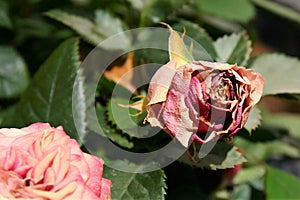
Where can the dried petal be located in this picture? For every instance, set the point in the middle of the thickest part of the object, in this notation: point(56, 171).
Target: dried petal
point(202, 101)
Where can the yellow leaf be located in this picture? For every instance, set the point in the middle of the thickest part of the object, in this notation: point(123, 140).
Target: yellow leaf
point(177, 49)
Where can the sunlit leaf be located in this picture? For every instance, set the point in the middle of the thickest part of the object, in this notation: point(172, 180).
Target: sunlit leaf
point(281, 185)
point(79, 105)
point(105, 25)
point(233, 49)
point(281, 73)
point(239, 10)
point(254, 119)
point(84, 27)
point(108, 23)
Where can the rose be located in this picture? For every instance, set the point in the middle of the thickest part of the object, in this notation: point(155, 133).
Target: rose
point(42, 162)
point(202, 101)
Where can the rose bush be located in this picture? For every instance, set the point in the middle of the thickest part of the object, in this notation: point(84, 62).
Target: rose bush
point(42, 162)
point(202, 101)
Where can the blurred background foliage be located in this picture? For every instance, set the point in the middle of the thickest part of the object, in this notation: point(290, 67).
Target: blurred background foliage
point(25, 27)
point(31, 29)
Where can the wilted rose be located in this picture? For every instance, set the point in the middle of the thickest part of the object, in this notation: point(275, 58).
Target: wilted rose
point(202, 101)
point(42, 162)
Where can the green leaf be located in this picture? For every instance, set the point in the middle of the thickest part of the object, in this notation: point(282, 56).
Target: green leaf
point(140, 4)
point(294, 97)
point(249, 174)
point(289, 121)
point(122, 118)
point(149, 185)
point(266, 150)
point(38, 28)
point(281, 185)
point(254, 119)
point(111, 131)
point(258, 184)
point(153, 11)
point(49, 96)
point(221, 23)
point(220, 156)
point(204, 52)
point(79, 105)
point(84, 27)
point(279, 9)
point(235, 48)
point(281, 73)
point(103, 97)
point(265, 133)
point(233, 157)
point(107, 23)
point(242, 191)
point(110, 25)
point(14, 77)
point(4, 17)
point(239, 10)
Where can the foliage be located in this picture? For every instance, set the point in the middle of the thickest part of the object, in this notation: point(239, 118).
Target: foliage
point(149, 185)
point(275, 187)
point(14, 73)
point(41, 80)
point(240, 10)
point(278, 68)
point(48, 90)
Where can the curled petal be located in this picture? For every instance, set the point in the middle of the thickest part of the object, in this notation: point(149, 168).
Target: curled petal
point(42, 162)
point(203, 101)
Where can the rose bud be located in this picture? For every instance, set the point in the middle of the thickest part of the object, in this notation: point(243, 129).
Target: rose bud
point(42, 162)
point(202, 101)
